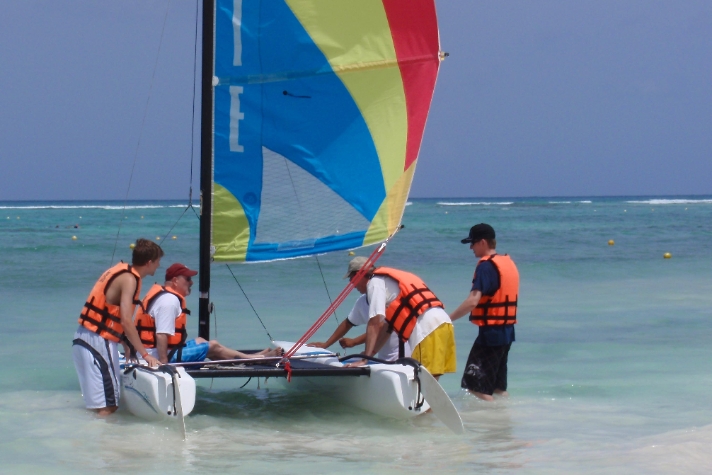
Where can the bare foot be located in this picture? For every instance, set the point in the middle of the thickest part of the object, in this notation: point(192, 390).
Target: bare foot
point(106, 411)
point(275, 352)
point(484, 397)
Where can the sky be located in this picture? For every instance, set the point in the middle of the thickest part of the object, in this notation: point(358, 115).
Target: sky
point(545, 98)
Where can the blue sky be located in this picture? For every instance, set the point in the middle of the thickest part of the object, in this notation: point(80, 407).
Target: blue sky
point(546, 98)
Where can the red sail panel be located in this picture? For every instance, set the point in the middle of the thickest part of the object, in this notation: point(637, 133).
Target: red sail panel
point(414, 28)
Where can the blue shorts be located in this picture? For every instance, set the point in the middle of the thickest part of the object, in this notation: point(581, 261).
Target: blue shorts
point(192, 351)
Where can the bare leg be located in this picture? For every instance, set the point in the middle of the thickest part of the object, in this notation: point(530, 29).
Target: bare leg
point(499, 392)
point(105, 411)
point(220, 352)
point(484, 397)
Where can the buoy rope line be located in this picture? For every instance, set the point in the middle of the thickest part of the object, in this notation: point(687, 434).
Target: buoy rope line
point(248, 301)
point(140, 135)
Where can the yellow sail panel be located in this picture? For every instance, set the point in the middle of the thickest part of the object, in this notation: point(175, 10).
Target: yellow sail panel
point(356, 39)
point(390, 214)
point(231, 230)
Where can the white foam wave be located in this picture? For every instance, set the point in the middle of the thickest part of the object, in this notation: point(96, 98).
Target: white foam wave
point(559, 202)
point(476, 203)
point(670, 202)
point(93, 207)
point(586, 201)
point(408, 203)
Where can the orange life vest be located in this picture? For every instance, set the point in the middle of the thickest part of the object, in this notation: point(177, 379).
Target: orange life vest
point(102, 317)
point(415, 298)
point(146, 324)
point(500, 308)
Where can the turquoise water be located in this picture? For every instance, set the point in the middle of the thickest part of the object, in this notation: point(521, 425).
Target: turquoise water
point(610, 372)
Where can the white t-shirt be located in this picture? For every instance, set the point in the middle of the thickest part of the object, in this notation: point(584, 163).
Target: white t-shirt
point(164, 310)
point(360, 316)
point(383, 290)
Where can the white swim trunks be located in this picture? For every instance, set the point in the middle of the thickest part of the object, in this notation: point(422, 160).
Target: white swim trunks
point(97, 362)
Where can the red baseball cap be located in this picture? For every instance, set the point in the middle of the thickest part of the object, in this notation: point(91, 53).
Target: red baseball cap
point(179, 269)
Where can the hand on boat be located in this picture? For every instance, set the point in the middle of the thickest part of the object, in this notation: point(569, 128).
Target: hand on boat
point(347, 342)
point(151, 361)
point(317, 344)
point(357, 363)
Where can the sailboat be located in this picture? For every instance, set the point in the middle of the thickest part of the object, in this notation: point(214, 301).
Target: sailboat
point(312, 117)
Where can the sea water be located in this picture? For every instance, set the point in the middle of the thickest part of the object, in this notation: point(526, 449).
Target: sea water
point(610, 372)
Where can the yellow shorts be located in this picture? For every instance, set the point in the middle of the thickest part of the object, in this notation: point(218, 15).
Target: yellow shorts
point(437, 351)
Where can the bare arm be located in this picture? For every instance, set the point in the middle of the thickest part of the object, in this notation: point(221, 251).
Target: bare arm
point(351, 342)
point(162, 347)
point(340, 331)
point(376, 335)
point(127, 288)
point(467, 305)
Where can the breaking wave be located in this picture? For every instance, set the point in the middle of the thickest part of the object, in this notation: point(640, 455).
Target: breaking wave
point(671, 202)
point(476, 203)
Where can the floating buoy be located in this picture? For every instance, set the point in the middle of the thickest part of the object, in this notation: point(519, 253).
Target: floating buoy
point(625, 210)
point(18, 217)
point(158, 238)
point(132, 245)
point(351, 253)
point(445, 212)
point(80, 217)
point(74, 238)
point(667, 255)
point(611, 242)
point(141, 217)
point(174, 237)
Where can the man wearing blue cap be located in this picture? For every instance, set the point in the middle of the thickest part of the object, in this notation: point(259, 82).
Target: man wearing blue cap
point(492, 306)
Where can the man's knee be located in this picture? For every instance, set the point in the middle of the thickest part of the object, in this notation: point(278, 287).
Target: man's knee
point(200, 340)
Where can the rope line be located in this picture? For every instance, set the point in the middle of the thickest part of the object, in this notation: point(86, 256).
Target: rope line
point(140, 135)
point(248, 301)
point(378, 252)
point(331, 302)
point(192, 123)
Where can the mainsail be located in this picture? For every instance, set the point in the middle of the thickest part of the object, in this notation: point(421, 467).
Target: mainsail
point(319, 111)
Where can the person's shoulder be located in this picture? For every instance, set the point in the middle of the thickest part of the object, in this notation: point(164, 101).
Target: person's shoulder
point(486, 265)
point(166, 299)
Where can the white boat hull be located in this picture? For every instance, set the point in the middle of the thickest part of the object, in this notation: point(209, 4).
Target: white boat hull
point(149, 394)
point(389, 391)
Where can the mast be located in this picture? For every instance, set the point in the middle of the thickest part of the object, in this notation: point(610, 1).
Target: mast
point(206, 167)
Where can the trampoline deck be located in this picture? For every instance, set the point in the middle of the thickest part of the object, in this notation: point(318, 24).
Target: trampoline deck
point(299, 368)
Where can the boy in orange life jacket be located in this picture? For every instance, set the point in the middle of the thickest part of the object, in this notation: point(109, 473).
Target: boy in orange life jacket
point(492, 306)
point(106, 320)
point(163, 328)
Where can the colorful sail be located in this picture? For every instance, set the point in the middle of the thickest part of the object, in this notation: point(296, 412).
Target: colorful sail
point(320, 107)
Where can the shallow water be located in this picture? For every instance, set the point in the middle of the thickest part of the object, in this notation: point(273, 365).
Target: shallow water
point(610, 372)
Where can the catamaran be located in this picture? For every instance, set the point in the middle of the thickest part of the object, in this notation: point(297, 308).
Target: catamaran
point(312, 117)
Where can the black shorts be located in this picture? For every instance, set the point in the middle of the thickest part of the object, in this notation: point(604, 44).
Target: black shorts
point(486, 369)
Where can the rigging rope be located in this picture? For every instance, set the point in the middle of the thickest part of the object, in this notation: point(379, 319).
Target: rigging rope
point(248, 301)
point(378, 252)
point(140, 136)
point(192, 139)
point(331, 302)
